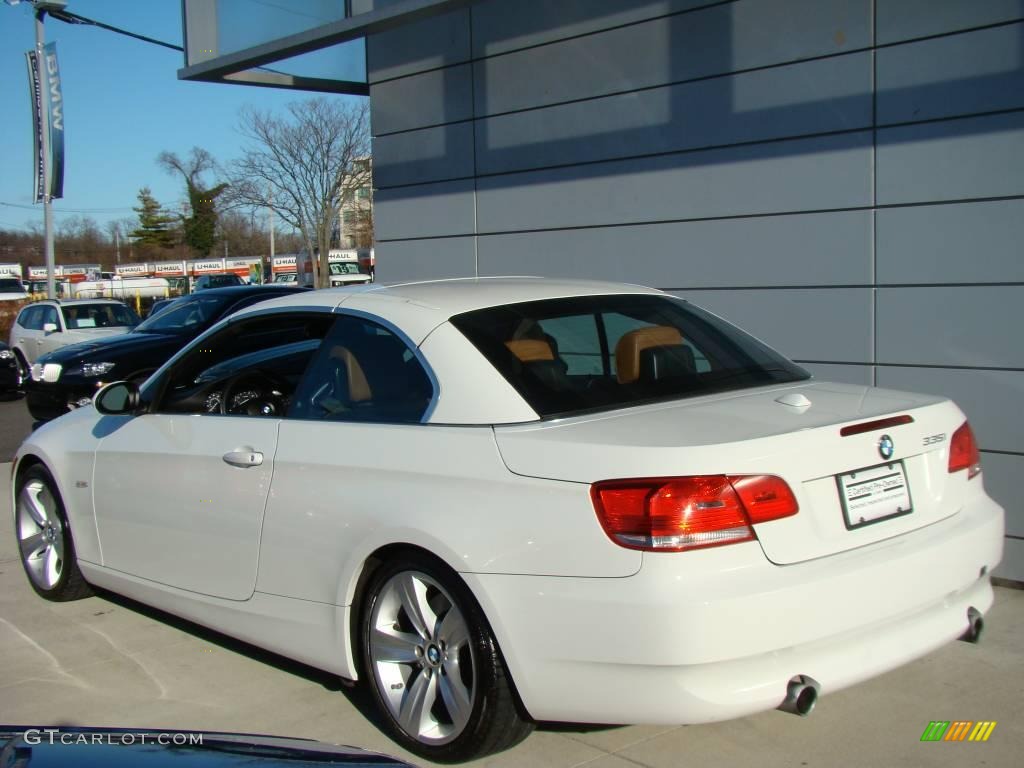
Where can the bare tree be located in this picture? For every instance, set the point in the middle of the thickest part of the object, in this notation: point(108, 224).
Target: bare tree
point(116, 236)
point(305, 165)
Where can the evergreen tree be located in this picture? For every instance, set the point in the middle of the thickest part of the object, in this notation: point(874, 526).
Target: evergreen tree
point(154, 223)
point(199, 229)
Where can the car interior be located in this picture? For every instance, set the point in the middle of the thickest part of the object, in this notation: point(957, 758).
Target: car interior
point(250, 368)
point(321, 367)
point(569, 355)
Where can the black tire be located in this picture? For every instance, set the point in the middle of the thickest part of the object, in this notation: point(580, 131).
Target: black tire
point(494, 722)
point(23, 369)
point(33, 551)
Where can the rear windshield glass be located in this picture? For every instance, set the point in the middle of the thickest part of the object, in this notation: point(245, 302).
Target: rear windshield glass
point(590, 353)
point(222, 281)
point(186, 316)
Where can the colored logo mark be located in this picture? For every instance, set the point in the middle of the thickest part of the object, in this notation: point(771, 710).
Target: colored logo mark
point(886, 447)
point(958, 730)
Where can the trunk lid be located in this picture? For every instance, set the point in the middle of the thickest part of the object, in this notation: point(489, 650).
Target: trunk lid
point(792, 431)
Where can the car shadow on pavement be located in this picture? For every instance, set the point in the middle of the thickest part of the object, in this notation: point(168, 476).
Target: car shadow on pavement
point(357, 694)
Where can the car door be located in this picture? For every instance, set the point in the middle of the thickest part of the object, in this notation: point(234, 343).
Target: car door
point(47, 341)
point(344, 452)
point(27, 329)
point(180, 491)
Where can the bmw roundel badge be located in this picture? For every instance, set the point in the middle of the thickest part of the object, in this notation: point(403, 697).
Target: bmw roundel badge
point(886, 447)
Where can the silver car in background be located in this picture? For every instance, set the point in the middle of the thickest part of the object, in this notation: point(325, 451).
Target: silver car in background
point(44, 326)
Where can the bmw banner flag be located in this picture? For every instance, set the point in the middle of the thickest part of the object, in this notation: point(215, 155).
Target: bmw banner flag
point(47, 115)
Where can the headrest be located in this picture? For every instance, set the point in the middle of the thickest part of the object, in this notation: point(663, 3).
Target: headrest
point(627, 351)
point(358, 386)
point(530, 350)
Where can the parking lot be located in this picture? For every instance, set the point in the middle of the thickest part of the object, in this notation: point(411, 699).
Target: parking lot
point(15, 424)
point(106, 661)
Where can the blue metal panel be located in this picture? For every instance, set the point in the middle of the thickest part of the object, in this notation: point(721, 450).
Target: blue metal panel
point(952, 243)
point(800, 99)
point(804, 174)
point(430, 210)
point(805, 249)
point(712, 41)
point(826, 324)
point(952, 159)
point(907, 19)
point(952, 325)
point(973, 72)
point(430, 98)
point(425, 259)
point(429, 154)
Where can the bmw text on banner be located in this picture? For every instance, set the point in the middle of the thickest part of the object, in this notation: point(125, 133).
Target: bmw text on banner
point(47, 101)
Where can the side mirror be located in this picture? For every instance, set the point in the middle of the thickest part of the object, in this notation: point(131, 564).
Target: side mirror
point(117, 398)
point(49, 327)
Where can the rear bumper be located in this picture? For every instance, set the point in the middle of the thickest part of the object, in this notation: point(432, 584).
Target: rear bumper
point(717, 634)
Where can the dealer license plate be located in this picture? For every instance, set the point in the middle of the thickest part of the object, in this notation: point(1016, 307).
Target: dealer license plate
point(874, 494)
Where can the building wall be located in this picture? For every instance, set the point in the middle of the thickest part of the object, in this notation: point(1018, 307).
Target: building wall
point(843, 178)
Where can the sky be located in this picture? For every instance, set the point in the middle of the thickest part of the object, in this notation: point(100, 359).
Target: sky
point(123, 105)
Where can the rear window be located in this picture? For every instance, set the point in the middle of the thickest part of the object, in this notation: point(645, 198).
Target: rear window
point(566, 356)
point(80, 316)
point(189, 315)
point(223, 281)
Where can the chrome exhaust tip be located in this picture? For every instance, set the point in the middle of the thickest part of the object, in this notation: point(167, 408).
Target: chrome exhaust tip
point(801, 696)
point(975, 626)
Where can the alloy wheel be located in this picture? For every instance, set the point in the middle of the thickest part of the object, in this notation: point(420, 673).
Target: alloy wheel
point(422, 658)
point(40, 534)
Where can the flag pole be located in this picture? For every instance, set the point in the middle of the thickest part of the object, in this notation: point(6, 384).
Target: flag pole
point(51, 285)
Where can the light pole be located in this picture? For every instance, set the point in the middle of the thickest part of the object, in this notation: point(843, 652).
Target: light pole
point(42, 6)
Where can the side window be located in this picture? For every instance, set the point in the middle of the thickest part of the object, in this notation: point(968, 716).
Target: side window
point(31, 318)
point(250, 368)
point(49, 315)
point(364, 372)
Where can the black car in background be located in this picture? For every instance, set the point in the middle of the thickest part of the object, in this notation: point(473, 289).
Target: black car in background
point(160, 305)
point(9, 378)
point(206, 282)
point(68, 377)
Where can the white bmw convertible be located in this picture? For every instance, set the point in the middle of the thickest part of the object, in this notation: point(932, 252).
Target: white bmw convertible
point(510, 500)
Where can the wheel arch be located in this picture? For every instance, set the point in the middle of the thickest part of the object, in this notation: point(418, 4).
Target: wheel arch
point(361, 580)
point(23, 464)
point(354, 592)
point(40, 450)
point(20, 353)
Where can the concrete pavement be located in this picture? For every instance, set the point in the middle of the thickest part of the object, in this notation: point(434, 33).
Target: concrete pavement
point(107, 662)
point(15, 424)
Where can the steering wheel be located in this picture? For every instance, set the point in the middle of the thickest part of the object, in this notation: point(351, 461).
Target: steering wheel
point(258, 393)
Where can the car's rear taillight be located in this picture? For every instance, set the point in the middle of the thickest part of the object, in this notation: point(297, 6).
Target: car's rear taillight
point(963, 452)
point(674, 514)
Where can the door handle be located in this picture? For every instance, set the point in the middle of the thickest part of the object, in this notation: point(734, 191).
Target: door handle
point(243, 458)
